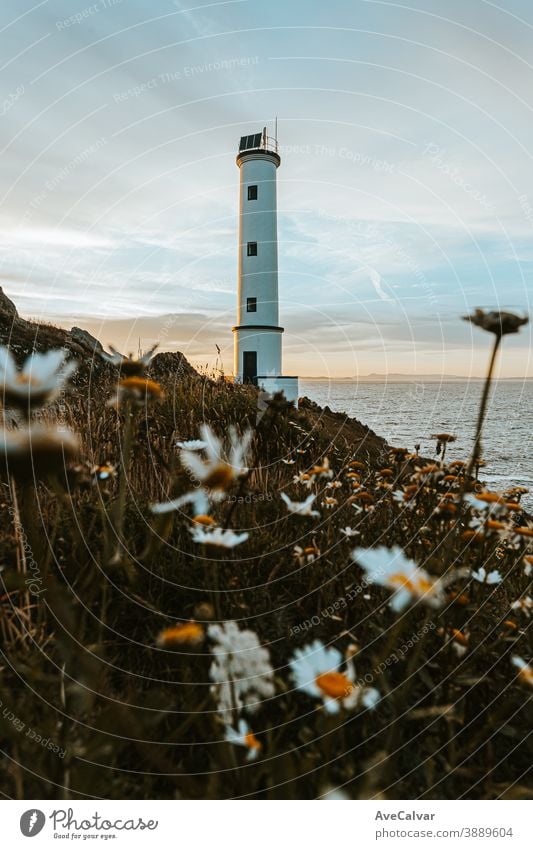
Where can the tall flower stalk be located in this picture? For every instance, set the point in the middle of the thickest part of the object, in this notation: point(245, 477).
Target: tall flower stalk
point(500, 324)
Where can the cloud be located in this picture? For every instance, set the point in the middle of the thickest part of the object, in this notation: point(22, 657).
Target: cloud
point(405, 193)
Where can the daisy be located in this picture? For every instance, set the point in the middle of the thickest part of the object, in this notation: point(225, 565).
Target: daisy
point(300, 508)
point(315, 670)
point(350, 532)
point(128, 365)
point(390, 568)
point(457, 640)
point(303, 478)
point(523, 531)
point(364, 497)
point(323, 470)
point(488, 526)
point(104, 472)
point(288, 462)
point(221, 468)
point(490, 502)
point(405, 498)
point(443, 440)
point(218, 537)
point(329, 502)
point(244, 737)
point(241, 670)
point(485, 577)
point(306, 555)
point(524, 605)
point(38, 382)
point(184, 633)
point(525, 671)
point(38, 451)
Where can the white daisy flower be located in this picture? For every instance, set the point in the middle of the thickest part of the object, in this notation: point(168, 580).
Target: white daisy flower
point(390, 568)
point(217, 536)
point(220, 468)
point(403, 498)
point(525, 671)
point(524, 605)
point(129, 366)
point(37, 451)
point(474, 502)
point(244, 737)
point(288, 462)
point(485, 577)
point(490, 504)
point(300, 508)
point(38, 382)
point(323, 470)
point(350, 532)
point(303, 478)
point(241, 671)
point(315, 670)
point(307, 554)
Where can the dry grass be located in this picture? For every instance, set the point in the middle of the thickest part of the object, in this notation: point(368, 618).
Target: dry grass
point(131, 718)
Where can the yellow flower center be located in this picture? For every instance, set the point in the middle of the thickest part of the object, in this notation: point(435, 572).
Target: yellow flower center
point(142, 384)
point(188, 632)
point(220, 476)
point(26, 379)
point(251, 741)
point(204, 519)
point(493, 525)
point(490, 497)
point(526, 675)
point(334, 684)
point(417, 587)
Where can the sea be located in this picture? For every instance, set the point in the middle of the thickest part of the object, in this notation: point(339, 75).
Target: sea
point(407, 413)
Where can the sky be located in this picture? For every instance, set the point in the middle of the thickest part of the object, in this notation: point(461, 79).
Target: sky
point(405, 191)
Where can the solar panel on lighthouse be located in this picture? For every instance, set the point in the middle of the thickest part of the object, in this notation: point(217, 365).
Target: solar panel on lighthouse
point(250, 142)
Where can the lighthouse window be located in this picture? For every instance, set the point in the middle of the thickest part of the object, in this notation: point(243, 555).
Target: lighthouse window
point(252, 248)
point(252, 192)
point(251, 304)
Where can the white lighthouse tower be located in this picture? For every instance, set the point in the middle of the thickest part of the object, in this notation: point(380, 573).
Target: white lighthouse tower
point(258, 334)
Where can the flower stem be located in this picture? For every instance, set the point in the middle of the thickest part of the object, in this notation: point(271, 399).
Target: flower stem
point(476, 451)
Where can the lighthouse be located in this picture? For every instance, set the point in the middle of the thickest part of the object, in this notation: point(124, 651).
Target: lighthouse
point(257, 335)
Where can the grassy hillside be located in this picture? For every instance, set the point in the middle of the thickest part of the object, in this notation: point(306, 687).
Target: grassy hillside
point(115, 681)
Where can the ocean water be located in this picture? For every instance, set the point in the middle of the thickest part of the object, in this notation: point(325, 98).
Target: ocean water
point(406, 414)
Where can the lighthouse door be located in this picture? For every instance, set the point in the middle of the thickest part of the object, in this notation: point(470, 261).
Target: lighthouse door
point(249, 367)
